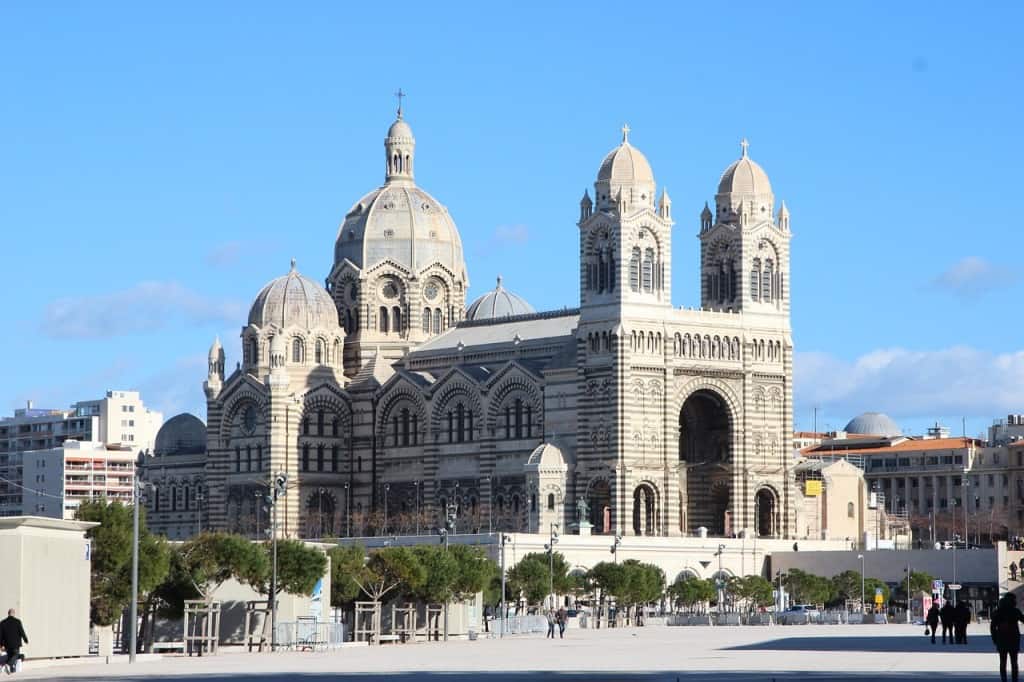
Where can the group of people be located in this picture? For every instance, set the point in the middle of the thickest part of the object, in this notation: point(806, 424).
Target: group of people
point(954, 621)
point(559, 618)
point(12, 636)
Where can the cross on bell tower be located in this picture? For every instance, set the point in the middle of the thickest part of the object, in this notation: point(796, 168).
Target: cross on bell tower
point(400, 95)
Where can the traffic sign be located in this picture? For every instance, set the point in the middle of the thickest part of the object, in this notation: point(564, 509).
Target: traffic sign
point(954, 587)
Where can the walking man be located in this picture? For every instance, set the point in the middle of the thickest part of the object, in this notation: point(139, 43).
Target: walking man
point(1006, 634)
point(551, 623)
point(12, 635)
point(961, 617)
point(932, 619)
point(946, 614)
point(562, 616)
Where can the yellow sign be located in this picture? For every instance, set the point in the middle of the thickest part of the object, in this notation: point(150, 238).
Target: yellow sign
point(878, 599)
point(812, 488)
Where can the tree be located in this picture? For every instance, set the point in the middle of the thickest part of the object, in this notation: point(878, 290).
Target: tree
point(806, 588)
point(531, 577)
point(921, 582)
point(388, 569)
point(112, 558)
point(474, 571)
point(846, 585)
point(346, 565)
point(299, 567)
point(689, 591)
point(211, 559)
point(751, 590)
point(441, 569)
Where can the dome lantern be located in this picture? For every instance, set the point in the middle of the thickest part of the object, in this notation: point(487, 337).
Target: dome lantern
point(625, 178)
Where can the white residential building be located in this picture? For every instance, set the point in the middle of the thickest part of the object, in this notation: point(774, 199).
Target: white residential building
point(58, 480)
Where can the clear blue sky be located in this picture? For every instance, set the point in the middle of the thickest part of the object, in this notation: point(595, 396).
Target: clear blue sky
point(160, 164)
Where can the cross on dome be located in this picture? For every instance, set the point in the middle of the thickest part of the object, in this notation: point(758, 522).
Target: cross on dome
point(744, 144)
point(293, 265)
point(400, 95)
point(625, 133)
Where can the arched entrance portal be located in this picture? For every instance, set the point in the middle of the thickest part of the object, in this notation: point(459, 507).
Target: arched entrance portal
point(600, 500)
point(705, 453)
point(766, 510)
point(645, 511)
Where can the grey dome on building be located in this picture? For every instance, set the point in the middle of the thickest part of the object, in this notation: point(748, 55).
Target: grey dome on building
point(399, 222)
point(293, 301)
point(744, 177)
point(182, 434)
point(498, 303)
point(873, 424)
point(625, 170)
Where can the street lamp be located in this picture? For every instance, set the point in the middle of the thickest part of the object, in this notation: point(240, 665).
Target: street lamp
point(320, 503)
point(908, 593)
point(279, 489)
point(862, 569)
point(490, 505)
point(199, 510)
point(615, 548)
point(449, 525)
point(504, 610)
point(133, 615)
point(348, 511)
point(550, 547)
point(387, 488)
point(718, 580)
point(416, 494)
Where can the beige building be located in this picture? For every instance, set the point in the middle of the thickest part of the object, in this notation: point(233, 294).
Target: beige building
point(941, 484)
point(119, 420)
point(46, 568)
point(58, 480)
point(385, 398)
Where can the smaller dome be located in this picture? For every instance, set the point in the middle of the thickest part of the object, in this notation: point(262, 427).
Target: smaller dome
point(182, 434)
point(294, 301)
point(498, 303)
point(400, 128)
point(873, 424)
point(215, 349)
point(626, 166)
point(547, 457)
point(744, 176)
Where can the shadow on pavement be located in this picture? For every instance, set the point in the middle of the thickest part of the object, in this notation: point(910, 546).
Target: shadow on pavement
point(568, 676)
point(909, 644)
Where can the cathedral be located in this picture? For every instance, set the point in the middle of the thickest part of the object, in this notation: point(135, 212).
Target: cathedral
point(391, 403)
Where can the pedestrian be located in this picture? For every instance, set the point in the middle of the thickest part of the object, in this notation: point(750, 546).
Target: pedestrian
point(946, 618)
point(932, 620)
point(487, 616)
point(562, 617)
point(961, 617)
point(551, 623)
point(12, 634)
point(1006, 633)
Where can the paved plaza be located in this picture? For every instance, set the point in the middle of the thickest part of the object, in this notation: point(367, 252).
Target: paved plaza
point(663, 654)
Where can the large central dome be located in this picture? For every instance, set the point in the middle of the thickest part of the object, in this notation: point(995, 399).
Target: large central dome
point(399, 222)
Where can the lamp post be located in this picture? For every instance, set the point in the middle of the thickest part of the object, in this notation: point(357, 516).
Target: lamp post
point(199, 510)
point(259, 503)
point(445, 532)
point(504, 610)
point(778, 610)
point(490, 505)
point(387, 488)
point(909, 600)
point(320, 511)
point(416, 494)
point(550, 547)
point(348, 511)
point(956, 539)
point(615, 548)
point(280, 488)
point(862, 569)
point(718, 580)
point(133, 612)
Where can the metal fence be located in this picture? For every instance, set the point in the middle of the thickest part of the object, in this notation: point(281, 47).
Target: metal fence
point(521, 625)
point(310, 635)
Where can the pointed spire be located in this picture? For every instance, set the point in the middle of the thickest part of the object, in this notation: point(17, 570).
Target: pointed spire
point(585, 201)
point(706, 213)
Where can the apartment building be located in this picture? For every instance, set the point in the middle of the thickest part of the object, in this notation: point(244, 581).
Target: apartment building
point(57, 480)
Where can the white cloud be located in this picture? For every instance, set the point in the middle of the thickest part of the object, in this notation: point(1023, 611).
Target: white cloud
point(145, 307)
point(510, 235)
point(974, 276)
point(907, 384)
point(224, 254)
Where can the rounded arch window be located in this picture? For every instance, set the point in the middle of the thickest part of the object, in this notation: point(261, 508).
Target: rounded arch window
point(298, 350)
